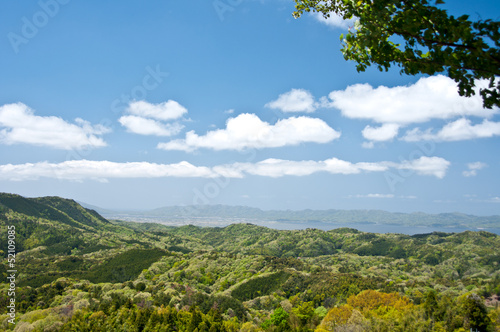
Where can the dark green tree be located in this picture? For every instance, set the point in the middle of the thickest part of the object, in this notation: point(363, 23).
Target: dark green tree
point(431, 304)
point(421, 38)
point(475, 314)
point(196, 319)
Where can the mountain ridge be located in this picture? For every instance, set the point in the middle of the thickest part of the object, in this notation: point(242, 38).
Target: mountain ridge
point(59, 225)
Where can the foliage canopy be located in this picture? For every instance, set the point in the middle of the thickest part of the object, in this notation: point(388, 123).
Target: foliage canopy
point(421, 38)
point(81, 272)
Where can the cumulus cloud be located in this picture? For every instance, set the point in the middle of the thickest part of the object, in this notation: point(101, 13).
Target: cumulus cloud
point(473, 168)
point(295, 100)
point(97, 170)
point(248, 131)
point(143, 126)
point(169, 110)
point(334, 21)
point(386, 132)
point(78, 170)
point(19, 124)
point(434, 97)
point(278, 167)
point(459, 130)
point(149, 119)
point(434, 166)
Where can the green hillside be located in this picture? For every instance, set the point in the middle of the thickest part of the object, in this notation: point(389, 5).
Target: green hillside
point(77, 271)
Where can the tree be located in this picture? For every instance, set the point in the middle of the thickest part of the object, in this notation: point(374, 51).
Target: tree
point(335, 317)
point(279, 318)
point(475, 313)
point(421, 38)
point(304, 311)
point(196, 319)
point(431, 304)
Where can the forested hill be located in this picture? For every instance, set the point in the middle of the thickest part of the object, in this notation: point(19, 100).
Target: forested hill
point(59, 225)
point(56, 209)
point(80, 272)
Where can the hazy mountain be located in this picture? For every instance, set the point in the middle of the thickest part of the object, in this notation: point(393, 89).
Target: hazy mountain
point(327, 216)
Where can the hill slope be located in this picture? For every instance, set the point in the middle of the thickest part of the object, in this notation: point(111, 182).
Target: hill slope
point(80, 272)
point(57, 224)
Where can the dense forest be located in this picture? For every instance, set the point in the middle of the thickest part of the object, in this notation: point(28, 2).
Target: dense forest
point(77, 271)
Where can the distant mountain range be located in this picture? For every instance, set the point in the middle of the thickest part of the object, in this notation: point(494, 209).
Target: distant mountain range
point(245, 213)
point(56, 208)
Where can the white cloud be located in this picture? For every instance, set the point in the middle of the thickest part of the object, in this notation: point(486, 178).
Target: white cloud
point(148, 119)
point(408, 197)
point(278, 167)
point(19, 124)
point(295, 100)
point(97, 170)
point(248, 131)
point(458, 130)
point(477, 165)
point(79, 170)
point(434, 97)
point(169, 110)
point(334, 21)
point(374, 196)
point(473, 168)
point(386, 132)
point(434, 166)
point(143, 126)
point(368, 145)
point(415, 135)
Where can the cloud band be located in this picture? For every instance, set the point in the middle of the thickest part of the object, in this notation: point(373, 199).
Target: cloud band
point(79, 170)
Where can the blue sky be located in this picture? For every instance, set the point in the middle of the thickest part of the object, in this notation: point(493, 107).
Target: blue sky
point(139, 105)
